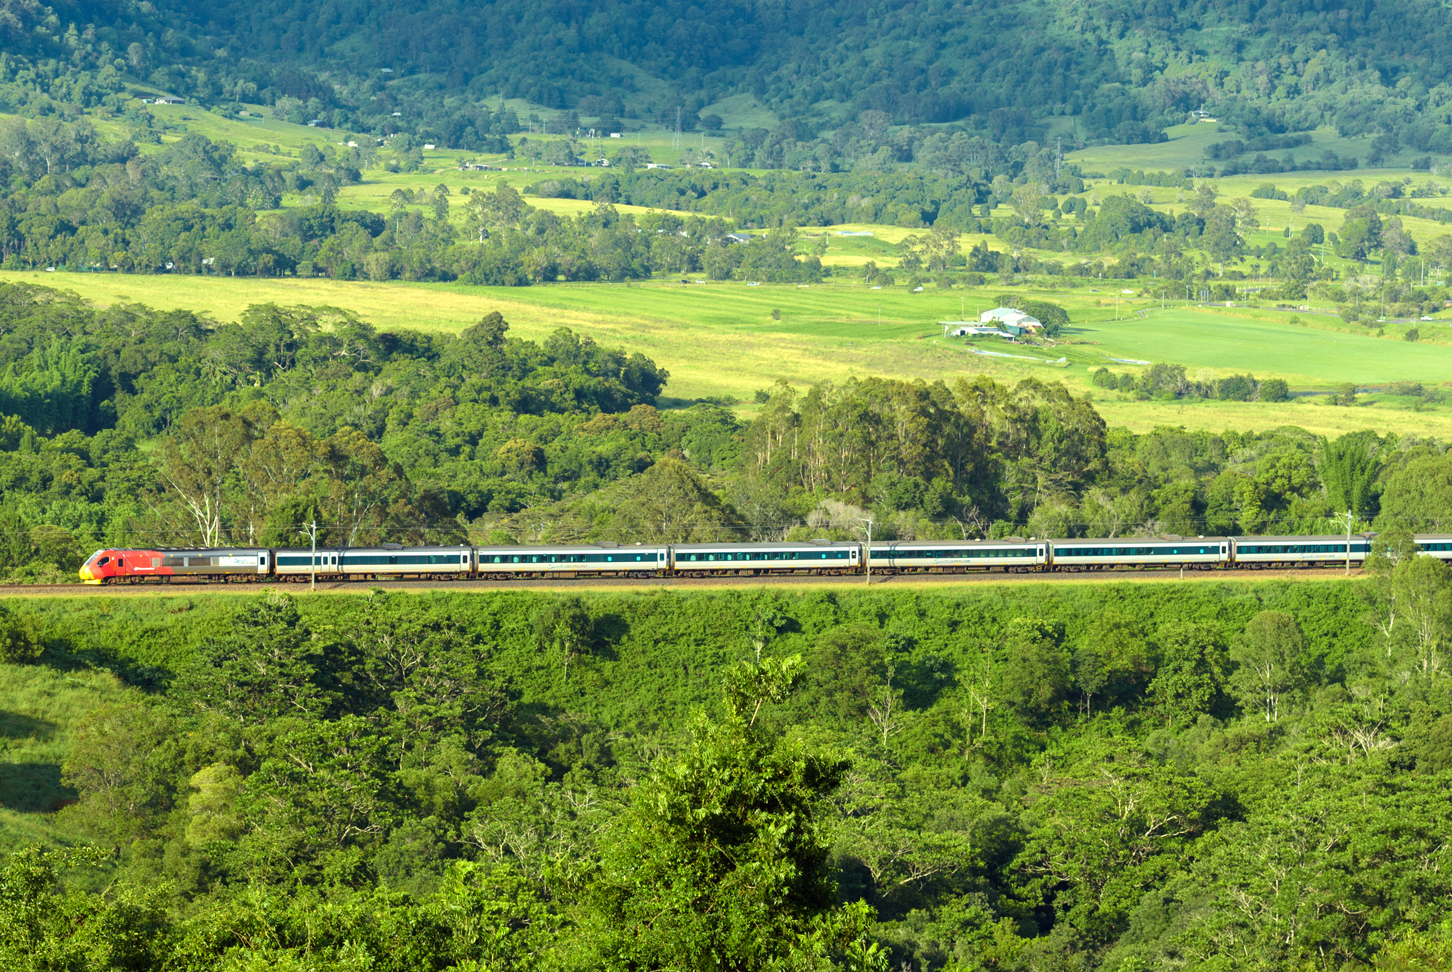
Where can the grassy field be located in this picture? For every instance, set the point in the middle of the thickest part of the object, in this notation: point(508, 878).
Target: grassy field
point(720, 340)
point(1187, 144)
point(40, 708)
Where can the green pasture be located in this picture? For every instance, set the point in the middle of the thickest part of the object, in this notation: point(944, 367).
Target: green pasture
point(1233, 343)
point(720, 340)
point(1187, 144)
point(260, 138)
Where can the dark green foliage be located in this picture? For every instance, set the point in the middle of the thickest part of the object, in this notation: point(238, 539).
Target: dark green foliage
point(1274, 390)
point(1350, 468)
point(1026, 770)
point(20, 637)
point(1191, 673)
point(1061, 773)
point(722, 860)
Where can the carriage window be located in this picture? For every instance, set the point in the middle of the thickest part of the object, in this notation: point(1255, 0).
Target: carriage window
point(103, 561)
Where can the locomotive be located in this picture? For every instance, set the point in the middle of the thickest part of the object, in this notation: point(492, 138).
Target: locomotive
point(815, 557)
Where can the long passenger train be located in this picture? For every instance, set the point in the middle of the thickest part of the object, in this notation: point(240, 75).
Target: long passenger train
point(817, 557)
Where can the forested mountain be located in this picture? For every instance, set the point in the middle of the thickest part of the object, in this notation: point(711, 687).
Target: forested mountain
point(1125, 69)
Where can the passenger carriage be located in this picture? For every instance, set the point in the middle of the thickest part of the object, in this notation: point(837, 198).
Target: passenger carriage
point(958, 556)
point(394, 560)
point(575, 560)
point(1437, 545)
point(325, 563)
point(748, 559)
point(1122, 553)
point(1263, 552)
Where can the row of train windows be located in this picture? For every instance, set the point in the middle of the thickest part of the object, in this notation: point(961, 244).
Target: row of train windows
point(1134, 551)
point(321, 560)
point(975, 553)
point(398, 560)
point(1435, 546)
point(1300, 548)
point(573, 558)
point(761, 555)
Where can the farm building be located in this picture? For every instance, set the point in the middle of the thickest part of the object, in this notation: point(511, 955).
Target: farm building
point(1007, 316)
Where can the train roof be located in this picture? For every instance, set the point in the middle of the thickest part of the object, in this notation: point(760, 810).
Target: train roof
point(557, 547)
point(928, 544)
point(778, 545)
point(1144, 540)
point(1319, 538)
point(199, 551)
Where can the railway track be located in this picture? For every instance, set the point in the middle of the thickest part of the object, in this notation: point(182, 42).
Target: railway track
point(1143, 574)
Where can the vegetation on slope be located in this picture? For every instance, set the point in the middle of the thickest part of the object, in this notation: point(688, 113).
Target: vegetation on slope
point(1095, 776)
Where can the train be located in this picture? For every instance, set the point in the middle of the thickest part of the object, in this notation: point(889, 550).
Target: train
point(699, 560)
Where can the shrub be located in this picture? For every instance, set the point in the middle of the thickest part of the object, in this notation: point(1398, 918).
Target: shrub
point(19, 637)
point(1274, 390)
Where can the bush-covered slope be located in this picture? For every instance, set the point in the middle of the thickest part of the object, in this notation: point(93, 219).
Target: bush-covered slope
point(1024, 777)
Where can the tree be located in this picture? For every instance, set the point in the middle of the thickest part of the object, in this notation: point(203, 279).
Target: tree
point(118, 764)
point(1274, 390)
point(1350, 467)
point(45, 926)
point(261, 669)
point(723, 861)
point(20, 639)
point(670, 503)
point(1034, 674)
point(365, 489)
point(1418, 496)
point(1439, 251)
point(196, 460)
point(1222, 238)
point(1268, 654)
point(564, 626)
point(1422, 588)
point(1191, 672)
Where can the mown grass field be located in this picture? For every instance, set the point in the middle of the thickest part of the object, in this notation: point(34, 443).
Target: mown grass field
point(720, 340)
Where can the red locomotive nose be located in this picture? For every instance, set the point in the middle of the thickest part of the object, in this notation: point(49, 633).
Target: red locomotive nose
point(98, 566)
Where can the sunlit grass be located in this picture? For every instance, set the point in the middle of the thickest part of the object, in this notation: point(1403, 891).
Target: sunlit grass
point(40, 708)
point(720, 340)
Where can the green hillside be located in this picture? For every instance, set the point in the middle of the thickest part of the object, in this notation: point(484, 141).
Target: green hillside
point(1026, 70)
point(1016, 777)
